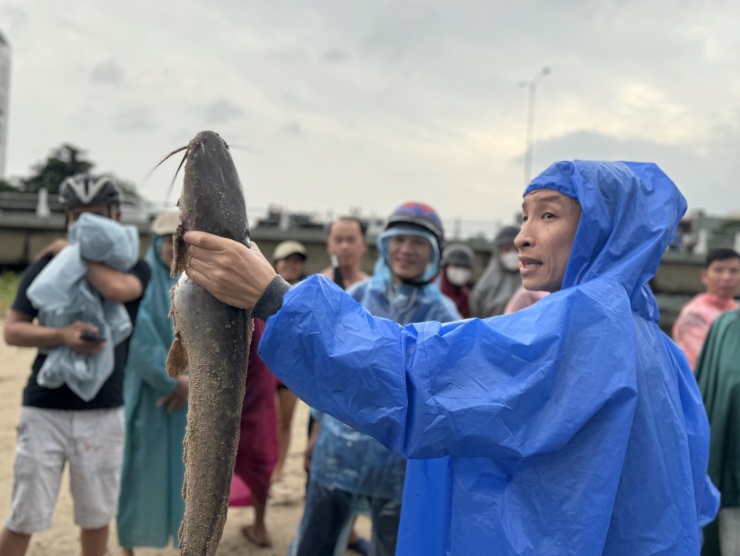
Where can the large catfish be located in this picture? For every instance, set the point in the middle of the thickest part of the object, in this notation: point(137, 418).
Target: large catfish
point(211, 342)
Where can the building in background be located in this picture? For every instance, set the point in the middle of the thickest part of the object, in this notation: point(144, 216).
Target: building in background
point(4, 99)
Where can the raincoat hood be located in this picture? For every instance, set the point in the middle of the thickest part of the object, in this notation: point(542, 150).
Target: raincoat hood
point(630, 211)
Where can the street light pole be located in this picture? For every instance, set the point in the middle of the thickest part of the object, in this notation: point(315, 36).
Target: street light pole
point(531, 85)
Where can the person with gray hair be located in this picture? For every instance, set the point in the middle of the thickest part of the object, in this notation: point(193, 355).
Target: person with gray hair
point(500, 280)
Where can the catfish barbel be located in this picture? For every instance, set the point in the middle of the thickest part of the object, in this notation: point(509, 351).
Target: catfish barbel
point(211, 342)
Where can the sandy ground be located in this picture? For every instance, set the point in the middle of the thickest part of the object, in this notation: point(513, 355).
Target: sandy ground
point(283, 514)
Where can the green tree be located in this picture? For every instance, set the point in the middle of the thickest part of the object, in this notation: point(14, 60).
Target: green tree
point(7, 186)
point(63, 162)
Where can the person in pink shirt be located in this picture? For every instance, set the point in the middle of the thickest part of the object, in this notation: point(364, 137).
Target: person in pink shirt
point(721, 276)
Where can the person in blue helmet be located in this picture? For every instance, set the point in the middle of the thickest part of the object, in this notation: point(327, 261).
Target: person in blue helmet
point(351, 471)
point(574, 426)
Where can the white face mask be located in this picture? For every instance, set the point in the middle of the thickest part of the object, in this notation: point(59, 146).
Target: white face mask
point(510, 260)
point(457, 276)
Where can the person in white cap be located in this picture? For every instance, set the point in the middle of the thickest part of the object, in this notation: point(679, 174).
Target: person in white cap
point(289, 259)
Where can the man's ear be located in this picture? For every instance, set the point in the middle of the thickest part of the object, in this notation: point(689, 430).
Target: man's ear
point(115, 213)
point(704, 277)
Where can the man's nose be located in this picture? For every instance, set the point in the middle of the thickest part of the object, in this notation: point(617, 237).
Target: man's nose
point(407, 245)
point(523, 238)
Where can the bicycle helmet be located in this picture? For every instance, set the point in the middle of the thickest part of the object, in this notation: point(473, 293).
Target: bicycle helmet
point(85, 189)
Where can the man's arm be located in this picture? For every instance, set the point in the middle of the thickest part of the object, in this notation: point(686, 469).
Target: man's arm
point(112, 284)
point(21, 331)
point(503, 387)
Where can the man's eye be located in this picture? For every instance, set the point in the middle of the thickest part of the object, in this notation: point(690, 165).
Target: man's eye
point(548, 216)
point(524, 219)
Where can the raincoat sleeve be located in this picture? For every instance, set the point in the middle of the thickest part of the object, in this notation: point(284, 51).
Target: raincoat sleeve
point(509, 386)
point(148, 354)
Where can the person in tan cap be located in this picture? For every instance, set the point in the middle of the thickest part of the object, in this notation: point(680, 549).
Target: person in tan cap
point(289, 259)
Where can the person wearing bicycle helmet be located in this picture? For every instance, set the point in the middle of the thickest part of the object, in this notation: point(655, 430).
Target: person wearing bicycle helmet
point(351, 471)
point(57, 427)
point(84, 193)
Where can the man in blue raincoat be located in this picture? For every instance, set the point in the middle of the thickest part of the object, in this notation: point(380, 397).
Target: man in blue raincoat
point(574, 426)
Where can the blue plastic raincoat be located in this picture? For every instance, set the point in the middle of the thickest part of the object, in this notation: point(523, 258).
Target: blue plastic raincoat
point(151, 506)
point(574, 426)
point(349, 460)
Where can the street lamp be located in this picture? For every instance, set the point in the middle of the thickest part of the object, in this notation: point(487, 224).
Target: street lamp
point(532, 86)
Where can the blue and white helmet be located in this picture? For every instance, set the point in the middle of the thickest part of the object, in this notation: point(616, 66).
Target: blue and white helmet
point(415, 219)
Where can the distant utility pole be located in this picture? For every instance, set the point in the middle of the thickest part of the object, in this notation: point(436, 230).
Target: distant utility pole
point(4, 99)
point(531, 85)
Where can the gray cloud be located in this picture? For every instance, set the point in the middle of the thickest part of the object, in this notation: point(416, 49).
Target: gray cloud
point(399, 99)
point(221, 110)
point(292, 128)
point(133, 118)
point(108, 71)
point(335, 55)
point(701, 175)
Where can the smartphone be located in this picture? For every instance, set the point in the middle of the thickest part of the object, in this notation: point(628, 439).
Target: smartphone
point(90, 336)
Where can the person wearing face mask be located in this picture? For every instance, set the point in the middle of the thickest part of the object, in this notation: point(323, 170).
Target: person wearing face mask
point(500, 280)
point(457, 268)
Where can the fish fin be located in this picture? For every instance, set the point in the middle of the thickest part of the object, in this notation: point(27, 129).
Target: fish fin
point(180, 253)
point(177, 358)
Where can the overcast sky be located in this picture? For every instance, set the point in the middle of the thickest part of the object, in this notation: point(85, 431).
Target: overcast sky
point(336, 104)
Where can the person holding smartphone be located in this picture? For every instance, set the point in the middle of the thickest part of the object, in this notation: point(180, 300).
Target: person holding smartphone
point(57, 427)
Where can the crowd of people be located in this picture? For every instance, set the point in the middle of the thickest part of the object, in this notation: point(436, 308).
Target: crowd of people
point(559, 419)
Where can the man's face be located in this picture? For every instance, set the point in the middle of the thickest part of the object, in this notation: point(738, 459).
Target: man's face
point(722, 277)
point(290, 268)
point(108, 211)
point(347, 243)
point(550, 221)
point(409, 256)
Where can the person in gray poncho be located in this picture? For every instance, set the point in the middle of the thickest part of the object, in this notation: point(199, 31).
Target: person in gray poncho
point(500, 280)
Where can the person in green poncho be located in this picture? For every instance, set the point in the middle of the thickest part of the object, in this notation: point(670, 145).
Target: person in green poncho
point(151, 506)
point(718, 375)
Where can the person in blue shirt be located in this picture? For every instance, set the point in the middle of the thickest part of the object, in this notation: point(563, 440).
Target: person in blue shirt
point(574, 426)
point(350, 470)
